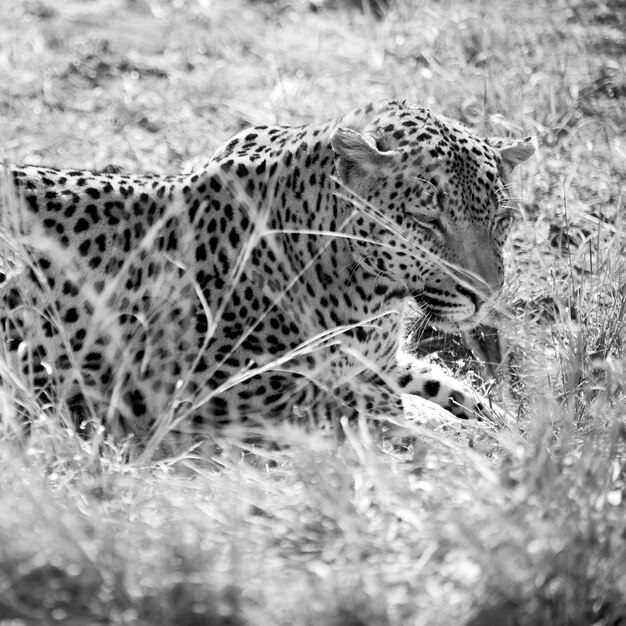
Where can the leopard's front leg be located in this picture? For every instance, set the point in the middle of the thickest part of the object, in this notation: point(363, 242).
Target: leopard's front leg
point(381, 394)
point(433, 383)
point(375, 381)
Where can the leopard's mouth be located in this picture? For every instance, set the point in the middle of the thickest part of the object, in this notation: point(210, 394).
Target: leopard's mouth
point(453, 317)
point(455, 326)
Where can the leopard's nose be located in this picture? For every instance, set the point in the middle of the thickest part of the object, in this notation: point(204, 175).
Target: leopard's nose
point(488, 275)
point(484, 281)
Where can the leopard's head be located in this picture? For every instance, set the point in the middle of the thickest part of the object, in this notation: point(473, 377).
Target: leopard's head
point(434, 208)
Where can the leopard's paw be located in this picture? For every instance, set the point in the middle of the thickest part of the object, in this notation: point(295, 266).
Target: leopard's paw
point(464, 403)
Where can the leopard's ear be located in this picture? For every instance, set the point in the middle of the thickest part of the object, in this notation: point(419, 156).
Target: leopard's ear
point(514, 151)
point(358, 156)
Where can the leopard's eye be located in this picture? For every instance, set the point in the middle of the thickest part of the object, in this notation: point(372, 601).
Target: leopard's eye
point(503, 222)
point(441, 198)
point(435, 222)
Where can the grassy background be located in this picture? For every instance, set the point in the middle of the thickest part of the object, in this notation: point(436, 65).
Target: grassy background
point(523, 527)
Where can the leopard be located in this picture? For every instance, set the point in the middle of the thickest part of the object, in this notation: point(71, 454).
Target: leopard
point(268, 282)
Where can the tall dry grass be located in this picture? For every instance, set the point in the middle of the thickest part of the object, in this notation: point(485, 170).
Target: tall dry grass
point(523, 526)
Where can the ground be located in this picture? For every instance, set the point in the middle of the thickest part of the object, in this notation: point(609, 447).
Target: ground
point(525, 526)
